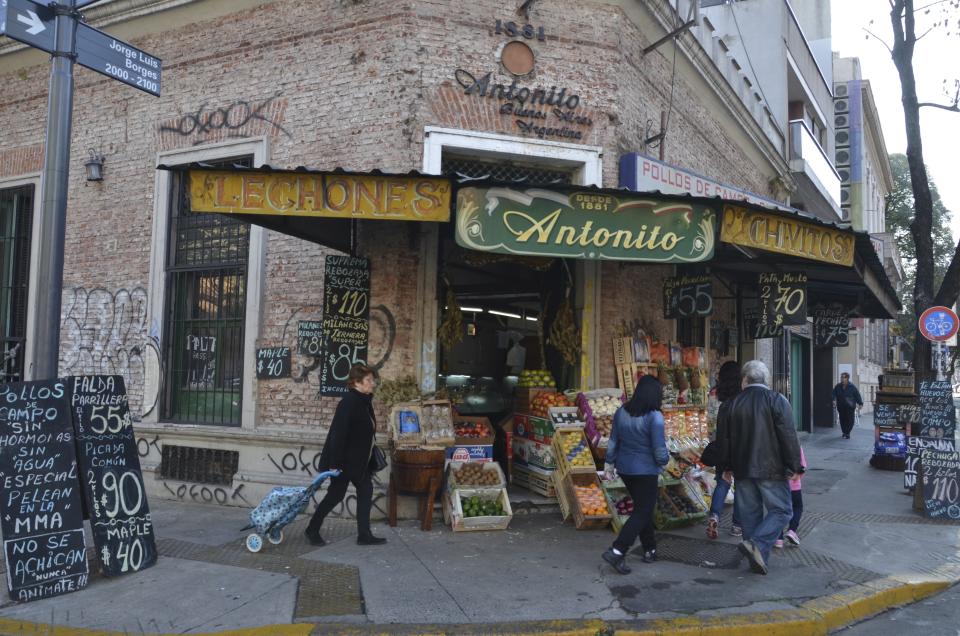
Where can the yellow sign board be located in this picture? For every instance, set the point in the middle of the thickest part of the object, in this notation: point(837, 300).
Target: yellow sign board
point(327, 195)
point(774, 233)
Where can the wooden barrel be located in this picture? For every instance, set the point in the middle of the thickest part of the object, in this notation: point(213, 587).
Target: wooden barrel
point(411, 469)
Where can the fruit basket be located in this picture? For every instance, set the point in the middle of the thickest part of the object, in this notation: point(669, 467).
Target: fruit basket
point(475, 475)
point(478, 509)
point(588, 504)
point(598, 408)
point(572, 453)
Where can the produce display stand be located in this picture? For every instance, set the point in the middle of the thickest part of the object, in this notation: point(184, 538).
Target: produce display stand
point(564, 439)
point(615, 490)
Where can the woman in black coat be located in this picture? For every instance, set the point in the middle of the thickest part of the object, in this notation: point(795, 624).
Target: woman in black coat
point(349, 447)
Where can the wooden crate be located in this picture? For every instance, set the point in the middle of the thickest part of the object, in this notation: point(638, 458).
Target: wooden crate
point(622, 351)
point(563, 465)
point(494, 467)
point(534, 479)
point(614, 490)
point(460, 523)
point(405, 440)
point(523, 397)
point(443, 437)
point(562, 497)
point(581, 520)
point(472, 419)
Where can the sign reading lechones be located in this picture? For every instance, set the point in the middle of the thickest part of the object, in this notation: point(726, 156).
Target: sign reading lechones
point(328, 195)
point(795, 237)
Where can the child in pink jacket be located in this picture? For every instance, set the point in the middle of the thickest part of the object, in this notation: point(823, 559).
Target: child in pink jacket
point(797, 496)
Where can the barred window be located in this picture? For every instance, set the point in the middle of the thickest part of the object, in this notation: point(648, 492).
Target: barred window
point(692, 332)
point(206, 298)
point(16, 221)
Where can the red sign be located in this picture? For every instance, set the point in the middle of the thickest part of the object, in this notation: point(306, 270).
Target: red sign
point(938, 324)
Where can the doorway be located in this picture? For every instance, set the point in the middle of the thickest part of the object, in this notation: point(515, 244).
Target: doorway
point(800, 381)
point(823, 387)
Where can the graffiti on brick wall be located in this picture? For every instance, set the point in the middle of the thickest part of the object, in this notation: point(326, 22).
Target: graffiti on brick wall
point(381, 337)
point(241, 118)
point(199, 493)
point(105, 332)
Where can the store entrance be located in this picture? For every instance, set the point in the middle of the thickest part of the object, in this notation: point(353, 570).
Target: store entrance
point(497, 312)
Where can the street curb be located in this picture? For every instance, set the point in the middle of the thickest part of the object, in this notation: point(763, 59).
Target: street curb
point(816, 617)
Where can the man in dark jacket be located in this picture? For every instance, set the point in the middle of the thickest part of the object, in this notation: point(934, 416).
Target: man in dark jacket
point(764, 454)
point(846, 398)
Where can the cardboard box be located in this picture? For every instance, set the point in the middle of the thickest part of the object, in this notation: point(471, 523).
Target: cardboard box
point(522, 398)
point(529, 426)
point(472, 419)
point(528, 452)
point(622, 350)
point(470, 453)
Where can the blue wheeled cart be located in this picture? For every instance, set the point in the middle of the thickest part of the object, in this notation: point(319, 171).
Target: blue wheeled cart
point(280, 507)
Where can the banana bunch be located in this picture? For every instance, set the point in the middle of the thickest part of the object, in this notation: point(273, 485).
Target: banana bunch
point(564, 335)
point(450, 332)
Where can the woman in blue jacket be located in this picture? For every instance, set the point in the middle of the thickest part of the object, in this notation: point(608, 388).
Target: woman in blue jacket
point(638, 452)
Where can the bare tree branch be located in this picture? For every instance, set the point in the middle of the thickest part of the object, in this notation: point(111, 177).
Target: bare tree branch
point(953, 108)
point(879, 39)
point(924, 34)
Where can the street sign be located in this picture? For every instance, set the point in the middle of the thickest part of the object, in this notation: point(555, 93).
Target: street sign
point(28, 22)
point(938, 324)
point(114, 58)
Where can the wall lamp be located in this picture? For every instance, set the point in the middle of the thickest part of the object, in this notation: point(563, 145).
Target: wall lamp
point(94, 166)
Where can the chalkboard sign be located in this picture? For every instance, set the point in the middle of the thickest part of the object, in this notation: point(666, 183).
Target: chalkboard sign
point(40, 505)
point(755, 329)
point(687, 296)
point(201, 361)
point(783, 299)
point(915, 447)
point(346, 313)
point(941, 484)
point(310, 337)
point(831, 326)
point(273, 363)
point(110, 472)
point(937, 415)
point(886, 415)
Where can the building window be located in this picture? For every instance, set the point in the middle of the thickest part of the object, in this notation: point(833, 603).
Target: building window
point(16, 221)
point(206, 283)
point(691, 332)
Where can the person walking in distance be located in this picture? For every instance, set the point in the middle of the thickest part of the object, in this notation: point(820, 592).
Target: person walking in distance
point(638, 452)
point(728, 387)
point(764, 454)
point(846, 399)
point(349, 447)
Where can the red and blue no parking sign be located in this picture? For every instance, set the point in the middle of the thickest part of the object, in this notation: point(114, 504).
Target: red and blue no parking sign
point(938, 324)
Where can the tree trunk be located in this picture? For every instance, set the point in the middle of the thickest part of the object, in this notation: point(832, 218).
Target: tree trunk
point(904, 39)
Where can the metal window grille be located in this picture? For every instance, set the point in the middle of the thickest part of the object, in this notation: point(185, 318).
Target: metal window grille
point(781, 365)
point(200, 465)
point(207, 299)
point(692, 332)
point(16, 222)
point(506, 170)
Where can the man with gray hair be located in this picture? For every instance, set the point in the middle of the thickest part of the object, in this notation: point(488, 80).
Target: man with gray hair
point(764, 453)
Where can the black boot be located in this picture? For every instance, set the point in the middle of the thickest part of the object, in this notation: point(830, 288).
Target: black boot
point(369, 539)
point(314, 538)
point(617, 561)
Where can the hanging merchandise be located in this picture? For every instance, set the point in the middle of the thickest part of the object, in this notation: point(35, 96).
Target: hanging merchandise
point(564, 335)
point(450, 332)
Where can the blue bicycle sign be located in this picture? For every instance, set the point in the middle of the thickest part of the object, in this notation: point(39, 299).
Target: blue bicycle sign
point(938, 324)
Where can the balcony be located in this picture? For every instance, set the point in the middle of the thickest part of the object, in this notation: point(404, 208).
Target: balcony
point(818, 184)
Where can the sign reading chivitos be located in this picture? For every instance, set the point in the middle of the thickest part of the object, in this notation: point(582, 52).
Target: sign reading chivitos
point(773, 233)
point(582, 224)
point(329, 195)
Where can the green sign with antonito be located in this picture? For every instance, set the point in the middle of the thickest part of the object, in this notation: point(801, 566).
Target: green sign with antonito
point(584, 224)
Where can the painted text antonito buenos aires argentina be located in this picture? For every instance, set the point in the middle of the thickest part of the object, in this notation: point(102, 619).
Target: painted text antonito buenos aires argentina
point(542, 231)
point(523, 103)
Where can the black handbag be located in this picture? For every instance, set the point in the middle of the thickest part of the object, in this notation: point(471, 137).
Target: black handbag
point(378, 459)
point(717, 453)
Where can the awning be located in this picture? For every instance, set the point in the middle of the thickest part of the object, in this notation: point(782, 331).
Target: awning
point(321, 206)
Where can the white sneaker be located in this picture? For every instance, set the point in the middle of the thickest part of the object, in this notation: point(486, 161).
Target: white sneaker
point(792, 537)
point(778, 543)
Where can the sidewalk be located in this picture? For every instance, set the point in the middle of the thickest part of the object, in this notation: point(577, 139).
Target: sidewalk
point(861, 545)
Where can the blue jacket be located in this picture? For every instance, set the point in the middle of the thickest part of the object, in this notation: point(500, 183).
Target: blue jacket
point(637, 445)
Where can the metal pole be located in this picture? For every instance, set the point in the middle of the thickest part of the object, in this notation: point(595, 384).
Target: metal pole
point(53, 211)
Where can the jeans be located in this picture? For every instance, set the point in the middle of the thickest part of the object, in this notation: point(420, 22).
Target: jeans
point(796, 497)
point(719, 496)
point(336, 491)
point(643, 491)
point(755, 495)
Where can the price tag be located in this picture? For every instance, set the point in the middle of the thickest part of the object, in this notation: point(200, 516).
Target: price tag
point(687, 296)
point(783, 299)
point(273, 363)
point(831, 326)
point(941, 484)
